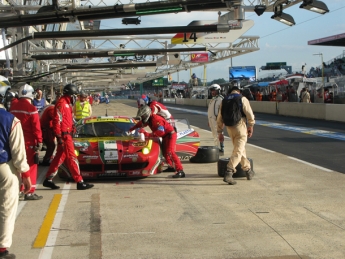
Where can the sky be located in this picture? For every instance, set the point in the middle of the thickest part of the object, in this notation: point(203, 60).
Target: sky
point(278, 42)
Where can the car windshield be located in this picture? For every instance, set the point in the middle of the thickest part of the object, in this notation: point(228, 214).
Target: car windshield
point(106, 129)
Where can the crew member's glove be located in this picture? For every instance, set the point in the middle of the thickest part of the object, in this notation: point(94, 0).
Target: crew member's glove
point(146, 134)
point(59, 140)
point(38, 147)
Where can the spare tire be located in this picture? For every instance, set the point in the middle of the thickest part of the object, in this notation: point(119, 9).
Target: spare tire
point(206, 154)
point(222, 166)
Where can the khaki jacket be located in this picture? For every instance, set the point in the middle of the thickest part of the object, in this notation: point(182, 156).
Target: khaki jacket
point(247, 109)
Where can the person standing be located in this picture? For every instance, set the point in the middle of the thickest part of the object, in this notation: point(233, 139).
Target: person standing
point(212, 113)
point(90, 99)
point(63, 130)
point(163, 129)
point(305, 96)
point(237, 115)
point(39, 102)
point(12, 163)
point(47, 128)
point(82, 108)
point(29, 118)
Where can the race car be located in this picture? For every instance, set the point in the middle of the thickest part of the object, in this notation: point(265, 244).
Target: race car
point(106, 149)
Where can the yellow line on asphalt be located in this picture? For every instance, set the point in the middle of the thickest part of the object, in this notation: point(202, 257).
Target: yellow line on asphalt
point(43, 234)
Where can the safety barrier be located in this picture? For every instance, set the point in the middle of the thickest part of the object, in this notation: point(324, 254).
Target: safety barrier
point(320, 111)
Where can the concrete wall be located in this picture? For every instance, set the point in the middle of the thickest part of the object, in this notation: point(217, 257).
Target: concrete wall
point(264, 107)
point(304, 110)
point(335, 112)
point(320, 111)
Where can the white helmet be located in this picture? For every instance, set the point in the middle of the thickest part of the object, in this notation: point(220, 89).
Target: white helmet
point(144, 113)
point(26, 91)
point(215, 87)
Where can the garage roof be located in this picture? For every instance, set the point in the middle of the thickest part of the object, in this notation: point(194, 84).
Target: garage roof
point(336, 40)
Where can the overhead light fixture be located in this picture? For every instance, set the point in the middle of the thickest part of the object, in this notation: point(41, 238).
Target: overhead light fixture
point(282, 17)
point(260, 9)
point(314, 6)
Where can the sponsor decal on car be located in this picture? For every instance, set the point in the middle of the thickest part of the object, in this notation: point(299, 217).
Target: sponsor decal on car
point(90, 157)
point(112, 174)
point(184, 133)
point(111, 161)
point(81, 144)
point(130, 155)
point(111, 155)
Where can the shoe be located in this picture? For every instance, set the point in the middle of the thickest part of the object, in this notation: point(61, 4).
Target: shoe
point(32, 197)
point(179, 174)
point(84, 186)
point(50, 184)
point(6, 255)
point(169, 170)
point(21, 196)
point(228, 178)
point(44, 163)
point(221, 150)
point(250, 173)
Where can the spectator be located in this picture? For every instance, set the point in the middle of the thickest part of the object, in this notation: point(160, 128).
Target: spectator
point(63, 130)
point(305, 96)
point(39, 102)
point(194, 80)
point(330, 98)
point(212, 113)
point(90, 99)
point(239, 125)
point(12, 163)
point(163, 129)
point(106, 98)
point(96, 99)
point(82, 108)
point(29, 118)
point(258, 96)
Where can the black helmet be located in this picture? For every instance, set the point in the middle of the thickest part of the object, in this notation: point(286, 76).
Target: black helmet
point(70, 89)
point(82, 93)
point(144, 113)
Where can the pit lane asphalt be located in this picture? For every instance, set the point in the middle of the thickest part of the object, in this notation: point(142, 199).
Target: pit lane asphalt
point(289, 210)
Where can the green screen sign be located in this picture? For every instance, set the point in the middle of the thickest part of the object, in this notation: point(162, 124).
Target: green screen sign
point(158, 82)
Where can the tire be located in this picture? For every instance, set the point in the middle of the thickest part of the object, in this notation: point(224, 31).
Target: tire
point(206, 154)
point(222, 166)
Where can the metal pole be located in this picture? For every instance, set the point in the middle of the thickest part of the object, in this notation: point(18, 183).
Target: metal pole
point(8, 64)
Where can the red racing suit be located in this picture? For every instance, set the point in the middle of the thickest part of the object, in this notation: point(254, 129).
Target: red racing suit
point(63, 127)
point(30, 120)
point(48, 135)
point(162, 128)
point(160, 109)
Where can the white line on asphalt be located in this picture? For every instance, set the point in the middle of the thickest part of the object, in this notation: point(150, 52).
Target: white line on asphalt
point(47, 251)
point(21, 205)
point(316, 166)
point(268, 150)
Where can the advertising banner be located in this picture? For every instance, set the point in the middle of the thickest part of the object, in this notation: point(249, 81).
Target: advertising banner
point(199, 57)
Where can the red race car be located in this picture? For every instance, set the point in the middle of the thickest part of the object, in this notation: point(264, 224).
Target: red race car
point(106, 149)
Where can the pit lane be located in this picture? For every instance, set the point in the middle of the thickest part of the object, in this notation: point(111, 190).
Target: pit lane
point(290, 209)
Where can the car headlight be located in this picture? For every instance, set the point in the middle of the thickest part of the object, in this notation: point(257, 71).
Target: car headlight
point(146, 150)
point(76, 152)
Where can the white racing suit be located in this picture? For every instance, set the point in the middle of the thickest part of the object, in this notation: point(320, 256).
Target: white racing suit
point(9, 184)
point(212, 113)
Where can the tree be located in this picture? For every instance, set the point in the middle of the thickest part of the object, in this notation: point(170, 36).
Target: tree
point(218, 81)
